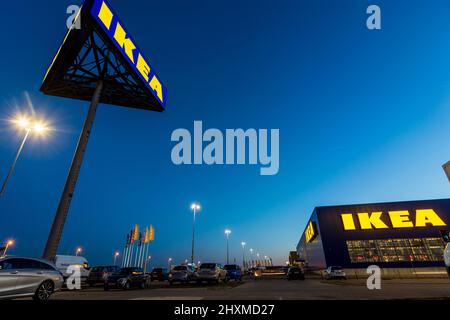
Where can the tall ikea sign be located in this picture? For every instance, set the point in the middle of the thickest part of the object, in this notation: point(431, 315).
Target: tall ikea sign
point(103, 13)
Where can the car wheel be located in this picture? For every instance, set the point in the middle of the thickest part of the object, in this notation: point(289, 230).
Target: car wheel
point(143, 285)
point(44, 291)
point(170, 283)
point(126, 286)
point(106, 288)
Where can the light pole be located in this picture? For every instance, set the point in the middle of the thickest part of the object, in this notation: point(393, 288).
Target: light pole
point(169, 263)
point(30, 127)
point(243, 244)
point(194, 208)
point(146, 263)
point(116, 254)
point(251, 257)
point(78, 251)
point(8, 244)
point(259, 262)
point(227, 233)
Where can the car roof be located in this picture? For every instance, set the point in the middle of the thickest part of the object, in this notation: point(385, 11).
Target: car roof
point(29, 258)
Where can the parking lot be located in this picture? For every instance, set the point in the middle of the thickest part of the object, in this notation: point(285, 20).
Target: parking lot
point(273, 289)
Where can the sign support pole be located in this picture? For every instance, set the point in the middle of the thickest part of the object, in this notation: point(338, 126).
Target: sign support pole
point(54, 236)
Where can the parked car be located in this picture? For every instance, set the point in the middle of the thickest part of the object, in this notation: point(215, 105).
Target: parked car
point(126, 278)
point(99, 274)
point(211, 272)
point(334, 272)
point(234, 272)
point(182, 274)
point(28, 277)
point(295, 273)
point(62, 262)
point(160, 274)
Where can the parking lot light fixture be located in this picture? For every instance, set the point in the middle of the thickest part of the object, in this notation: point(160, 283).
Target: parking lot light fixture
point(29, 126)
point(78, 251)
point(116, 254)
point(194, 207)
point(227, 233)
point(9, 243)
point(243, 244)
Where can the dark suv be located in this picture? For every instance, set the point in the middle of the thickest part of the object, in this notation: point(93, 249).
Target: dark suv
point(160, 274)
point(127, 278)
point(99, 274)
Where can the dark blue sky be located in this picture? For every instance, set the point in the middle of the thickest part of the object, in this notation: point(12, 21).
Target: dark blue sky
point(363, 117)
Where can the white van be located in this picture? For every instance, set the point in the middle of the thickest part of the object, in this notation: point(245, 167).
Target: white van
point(63, 262)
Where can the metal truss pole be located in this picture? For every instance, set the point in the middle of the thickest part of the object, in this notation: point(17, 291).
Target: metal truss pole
point(54, 236)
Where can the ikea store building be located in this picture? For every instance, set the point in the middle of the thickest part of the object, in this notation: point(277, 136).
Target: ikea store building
point(402, 238)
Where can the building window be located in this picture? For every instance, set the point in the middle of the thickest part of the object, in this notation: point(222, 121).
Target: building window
point(396, 250)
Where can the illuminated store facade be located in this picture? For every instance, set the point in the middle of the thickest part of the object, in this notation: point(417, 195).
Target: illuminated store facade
point(390, 235)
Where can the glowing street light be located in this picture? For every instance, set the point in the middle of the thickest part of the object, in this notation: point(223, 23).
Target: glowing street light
point(243, 244)
point(194, 207)
point(29, 126)
point(78, 251)
point(9, 243)
point(227, 233)
point(116, 254)
point(146, 263)
point(169, 262)
point(251, 257)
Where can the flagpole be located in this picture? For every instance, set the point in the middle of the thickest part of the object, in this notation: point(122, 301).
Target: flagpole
point(146, 258)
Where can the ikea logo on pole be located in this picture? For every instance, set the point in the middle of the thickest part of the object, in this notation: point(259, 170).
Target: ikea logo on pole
point(109, 21)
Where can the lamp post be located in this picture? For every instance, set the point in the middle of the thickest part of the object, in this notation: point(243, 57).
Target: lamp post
point(259, 262)
point(29, 126)
point(194, 207)
point(146, 263)
point(169, 263)
point(227, 233)
point(116, 254)
point(8, 244)
point(251, 257)
point(243, 244)
point(78, 251)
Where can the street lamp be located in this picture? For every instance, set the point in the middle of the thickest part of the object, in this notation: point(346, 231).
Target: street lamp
point(29, 126)
point(78, 251)
point(8, 244)
point(243, 244)
point(194, 207)
point(227, 233)
point(116, 254)
point(169, 263)
point(265, 260)
point(146, 263)
point(251, 257)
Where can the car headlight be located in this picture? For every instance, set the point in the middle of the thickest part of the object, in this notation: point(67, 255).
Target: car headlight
point(171, 276)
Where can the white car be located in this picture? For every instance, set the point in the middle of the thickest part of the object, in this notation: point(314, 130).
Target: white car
point(62, 262)
point(28, 277)
point(334, 272)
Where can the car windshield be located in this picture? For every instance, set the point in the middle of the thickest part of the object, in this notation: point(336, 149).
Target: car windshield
point(125, 271)
point(336, 268)
point(97, 269)
point(180, 268)
point(231, 267)
point(208, 266)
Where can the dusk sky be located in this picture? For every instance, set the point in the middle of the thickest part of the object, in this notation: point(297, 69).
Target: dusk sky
point(364, 116)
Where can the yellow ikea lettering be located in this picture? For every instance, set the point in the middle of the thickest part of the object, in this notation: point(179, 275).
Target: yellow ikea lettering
point(347, 220)
point(124, 42)
point(105, 15)
point(310, 232)
point(156, 85)
point(143, 67)
point(400, 219)
point(366, 221)
point(428, 216)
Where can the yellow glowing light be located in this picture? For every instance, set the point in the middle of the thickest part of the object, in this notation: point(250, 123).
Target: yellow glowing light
point(117, 254)
point(10, 242)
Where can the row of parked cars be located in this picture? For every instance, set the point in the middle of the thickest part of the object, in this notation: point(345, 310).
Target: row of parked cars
point(205, 272)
